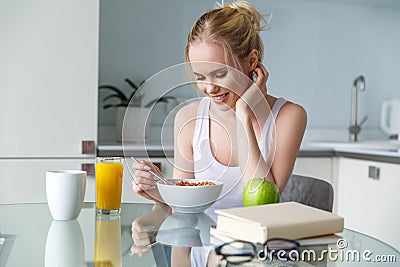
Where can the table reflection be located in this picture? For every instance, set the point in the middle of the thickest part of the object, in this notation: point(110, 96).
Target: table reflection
point(107, 249)
point(185, 230)
point(185, 237)
point(65, 245)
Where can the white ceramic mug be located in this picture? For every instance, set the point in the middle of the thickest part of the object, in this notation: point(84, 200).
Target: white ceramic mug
point(65, 192)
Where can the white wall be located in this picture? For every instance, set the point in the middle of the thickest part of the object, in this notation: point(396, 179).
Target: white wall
point(314, 51)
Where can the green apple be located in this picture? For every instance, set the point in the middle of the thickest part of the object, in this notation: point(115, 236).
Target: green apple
point(258, 191)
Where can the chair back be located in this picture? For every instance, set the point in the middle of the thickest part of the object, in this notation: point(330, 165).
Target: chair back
point(310, 191)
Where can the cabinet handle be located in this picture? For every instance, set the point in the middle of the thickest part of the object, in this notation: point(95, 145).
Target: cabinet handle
point(89, 168)
point(88, 147)
point(373, 172)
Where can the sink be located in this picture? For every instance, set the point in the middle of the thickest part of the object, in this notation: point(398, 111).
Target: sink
point(386, 145)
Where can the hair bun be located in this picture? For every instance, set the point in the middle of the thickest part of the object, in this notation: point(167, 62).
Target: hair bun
point(247, 9)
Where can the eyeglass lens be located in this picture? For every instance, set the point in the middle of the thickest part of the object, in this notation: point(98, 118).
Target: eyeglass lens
point(280, 244)
point(237, 252)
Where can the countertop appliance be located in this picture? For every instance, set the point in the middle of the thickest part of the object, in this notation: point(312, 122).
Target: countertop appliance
point(390, 118)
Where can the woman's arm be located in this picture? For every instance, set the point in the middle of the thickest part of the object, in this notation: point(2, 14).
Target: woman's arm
point(251, 161)
point(290, 125)
point(252, 109)
point(289, 129)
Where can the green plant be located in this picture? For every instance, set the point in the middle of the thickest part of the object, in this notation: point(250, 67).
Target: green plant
point(133, 99)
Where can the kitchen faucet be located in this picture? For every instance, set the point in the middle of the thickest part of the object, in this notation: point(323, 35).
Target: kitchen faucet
point(355, 129)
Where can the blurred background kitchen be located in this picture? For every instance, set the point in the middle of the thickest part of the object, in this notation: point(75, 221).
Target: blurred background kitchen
point(314, 50)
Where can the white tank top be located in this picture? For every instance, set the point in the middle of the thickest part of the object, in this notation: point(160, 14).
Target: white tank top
point(206, 167)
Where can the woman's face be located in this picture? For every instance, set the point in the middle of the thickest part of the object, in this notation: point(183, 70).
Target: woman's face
point(223, 84)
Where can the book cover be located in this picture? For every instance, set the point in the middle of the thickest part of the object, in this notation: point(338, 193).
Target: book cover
point(290, 220)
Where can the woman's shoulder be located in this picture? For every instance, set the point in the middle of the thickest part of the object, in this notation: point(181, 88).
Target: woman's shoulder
point(187, 113)
point(185, 122)
point(286, 106)
point(292, 111)
point(290, 106)
point(189, 109)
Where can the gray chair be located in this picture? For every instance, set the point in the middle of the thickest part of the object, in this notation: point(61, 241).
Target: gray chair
point(309, 191)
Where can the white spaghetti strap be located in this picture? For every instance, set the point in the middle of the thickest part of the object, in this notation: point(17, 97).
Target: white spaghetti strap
point(201, 129)
point(267, 134)
point(277, 106)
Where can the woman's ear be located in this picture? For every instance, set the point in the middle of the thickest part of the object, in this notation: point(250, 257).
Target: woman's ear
point(251, 62)
point(253, 59)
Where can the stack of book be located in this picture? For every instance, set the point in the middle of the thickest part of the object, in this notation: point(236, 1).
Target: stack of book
point(290, 220)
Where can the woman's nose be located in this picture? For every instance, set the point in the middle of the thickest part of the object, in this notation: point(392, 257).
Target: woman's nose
point(211, 88)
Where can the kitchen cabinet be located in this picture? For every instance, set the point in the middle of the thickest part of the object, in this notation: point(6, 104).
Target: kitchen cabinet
point(367, 195)
point(49, 66)
point(48, 77)
point(318, 167)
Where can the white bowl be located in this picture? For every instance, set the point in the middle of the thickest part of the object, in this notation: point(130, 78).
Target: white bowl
point(190, 199)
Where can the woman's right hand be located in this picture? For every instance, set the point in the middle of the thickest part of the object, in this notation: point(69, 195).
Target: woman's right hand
point(256, 92)
point(144, 183)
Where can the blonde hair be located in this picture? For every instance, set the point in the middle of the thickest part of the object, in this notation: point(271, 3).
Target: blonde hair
point(234, 26)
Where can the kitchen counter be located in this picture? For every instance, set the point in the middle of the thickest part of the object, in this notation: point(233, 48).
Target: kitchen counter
point(307, 150)
point(135, 150)
point(364, 154)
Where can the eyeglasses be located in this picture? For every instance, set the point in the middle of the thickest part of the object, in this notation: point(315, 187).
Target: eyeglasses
point(238, 252)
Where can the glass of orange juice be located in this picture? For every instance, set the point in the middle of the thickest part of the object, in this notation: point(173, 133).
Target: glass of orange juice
point(109, 171)
point(107, 248)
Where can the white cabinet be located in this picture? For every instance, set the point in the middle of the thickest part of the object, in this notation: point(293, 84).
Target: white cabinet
point(48, 77)
point(369, 205)
point(48, 93)
point(318, 167)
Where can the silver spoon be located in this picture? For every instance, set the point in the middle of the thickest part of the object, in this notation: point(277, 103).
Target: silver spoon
point(146, 248)
point(165, 181)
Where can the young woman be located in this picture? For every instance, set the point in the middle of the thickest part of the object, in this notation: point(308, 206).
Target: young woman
point(238, 131)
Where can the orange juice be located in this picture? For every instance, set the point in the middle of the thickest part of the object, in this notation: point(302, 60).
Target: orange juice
point(109, 185)
point(107, 248)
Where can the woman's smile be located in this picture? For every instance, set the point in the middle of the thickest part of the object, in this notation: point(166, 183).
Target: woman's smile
point(219, 98)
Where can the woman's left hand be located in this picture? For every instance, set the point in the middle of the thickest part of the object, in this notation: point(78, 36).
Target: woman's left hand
point(256, 91)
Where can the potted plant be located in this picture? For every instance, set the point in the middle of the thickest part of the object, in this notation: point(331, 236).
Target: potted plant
point(135, 115)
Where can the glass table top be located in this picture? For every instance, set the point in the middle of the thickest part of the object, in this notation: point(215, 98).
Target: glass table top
point(147, 235)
